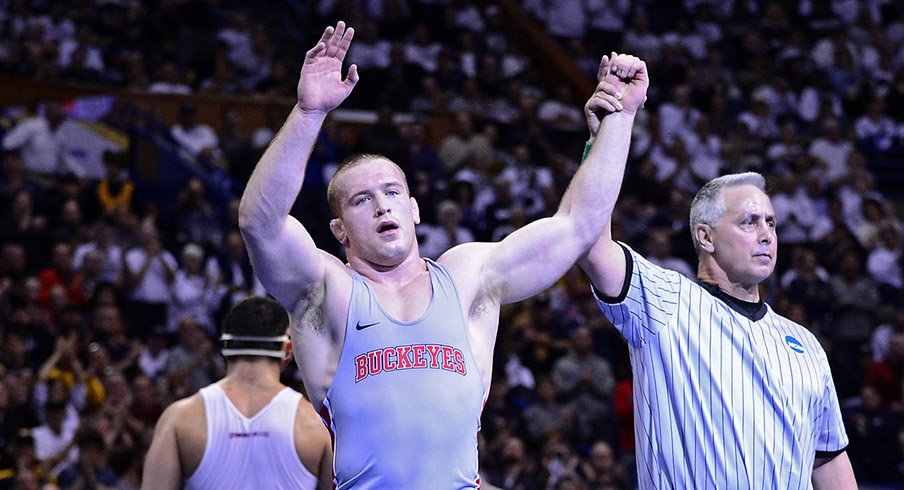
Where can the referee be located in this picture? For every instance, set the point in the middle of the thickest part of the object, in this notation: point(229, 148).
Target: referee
point(728, 393)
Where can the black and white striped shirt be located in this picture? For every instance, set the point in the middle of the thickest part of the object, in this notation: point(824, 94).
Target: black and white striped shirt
point(727, 394)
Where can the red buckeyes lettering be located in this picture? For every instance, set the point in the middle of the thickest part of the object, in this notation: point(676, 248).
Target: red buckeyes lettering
point(403, 357)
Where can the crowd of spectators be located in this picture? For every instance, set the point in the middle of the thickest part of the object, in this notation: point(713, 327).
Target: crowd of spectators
point(109, 308)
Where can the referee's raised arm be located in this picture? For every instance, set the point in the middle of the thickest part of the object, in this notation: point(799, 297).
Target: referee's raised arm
point(626, 77)
point(698, 346)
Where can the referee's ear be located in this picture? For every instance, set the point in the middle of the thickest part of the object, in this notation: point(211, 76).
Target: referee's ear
point(704, 235)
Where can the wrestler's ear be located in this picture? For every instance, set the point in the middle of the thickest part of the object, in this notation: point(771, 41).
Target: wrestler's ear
point(289, 354)
point(415, 211)
point(704, 234)
point(338, 229)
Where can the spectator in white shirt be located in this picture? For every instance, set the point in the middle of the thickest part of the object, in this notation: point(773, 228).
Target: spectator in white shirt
point(559, 111)
point(788, 147)
point(707, 24)
point(237, 37)
point(195, 293)
point(876, 216)
point(705, 150)
point(60, 394)
point(881, 339)
point(149, 273)
point(884, 264)
point(831, 149)
point(195, 137)
point(369, 51)
point(780, 98)
point(527, 180)
point(152, 358)
point(86, 39)
point(793, 211)
point(54, 440)
point(759, 119)
point(256, 65)
point(644, 43)
point(875, 127)
point(804, 265)
point(460, 146)
point(688, 38)
point(859, 185)
point(667, 157)
point(468, 16)
point(677, 115)
point(606, 20)
point(58, 27)
point(422, 50)
point(566, 19)
point(102, 243)
point(37, 139)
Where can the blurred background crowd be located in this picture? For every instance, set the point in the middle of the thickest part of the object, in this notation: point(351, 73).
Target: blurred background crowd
point(113, 278)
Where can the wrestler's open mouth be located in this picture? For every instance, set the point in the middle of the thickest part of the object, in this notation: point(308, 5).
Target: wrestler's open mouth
point(387, 226)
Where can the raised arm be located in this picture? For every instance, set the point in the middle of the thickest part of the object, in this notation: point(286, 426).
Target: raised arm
point(283, 253)
point(535, 256)
point(605, 262)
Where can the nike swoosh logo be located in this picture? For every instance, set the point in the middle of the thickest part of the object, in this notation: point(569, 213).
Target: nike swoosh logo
point(359, 326)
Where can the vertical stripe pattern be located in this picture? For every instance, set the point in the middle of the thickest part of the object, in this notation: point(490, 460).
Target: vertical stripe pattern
point(721, 400)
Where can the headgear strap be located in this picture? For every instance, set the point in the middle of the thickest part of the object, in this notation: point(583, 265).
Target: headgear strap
point(278, 354)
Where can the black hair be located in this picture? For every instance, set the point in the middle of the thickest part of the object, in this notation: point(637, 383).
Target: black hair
point(257, 316)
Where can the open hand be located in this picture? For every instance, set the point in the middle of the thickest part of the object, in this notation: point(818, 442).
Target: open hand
point(320, 85)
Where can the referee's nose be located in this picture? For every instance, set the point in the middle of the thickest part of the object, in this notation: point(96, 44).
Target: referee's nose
point(767, 234)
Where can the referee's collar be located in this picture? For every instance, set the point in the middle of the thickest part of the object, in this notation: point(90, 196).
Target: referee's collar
point(753, 311)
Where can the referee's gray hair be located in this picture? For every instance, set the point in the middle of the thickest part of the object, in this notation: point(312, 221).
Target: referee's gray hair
point(708, 205)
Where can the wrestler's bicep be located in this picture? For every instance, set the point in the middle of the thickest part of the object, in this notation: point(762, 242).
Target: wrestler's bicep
point(286, 262)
